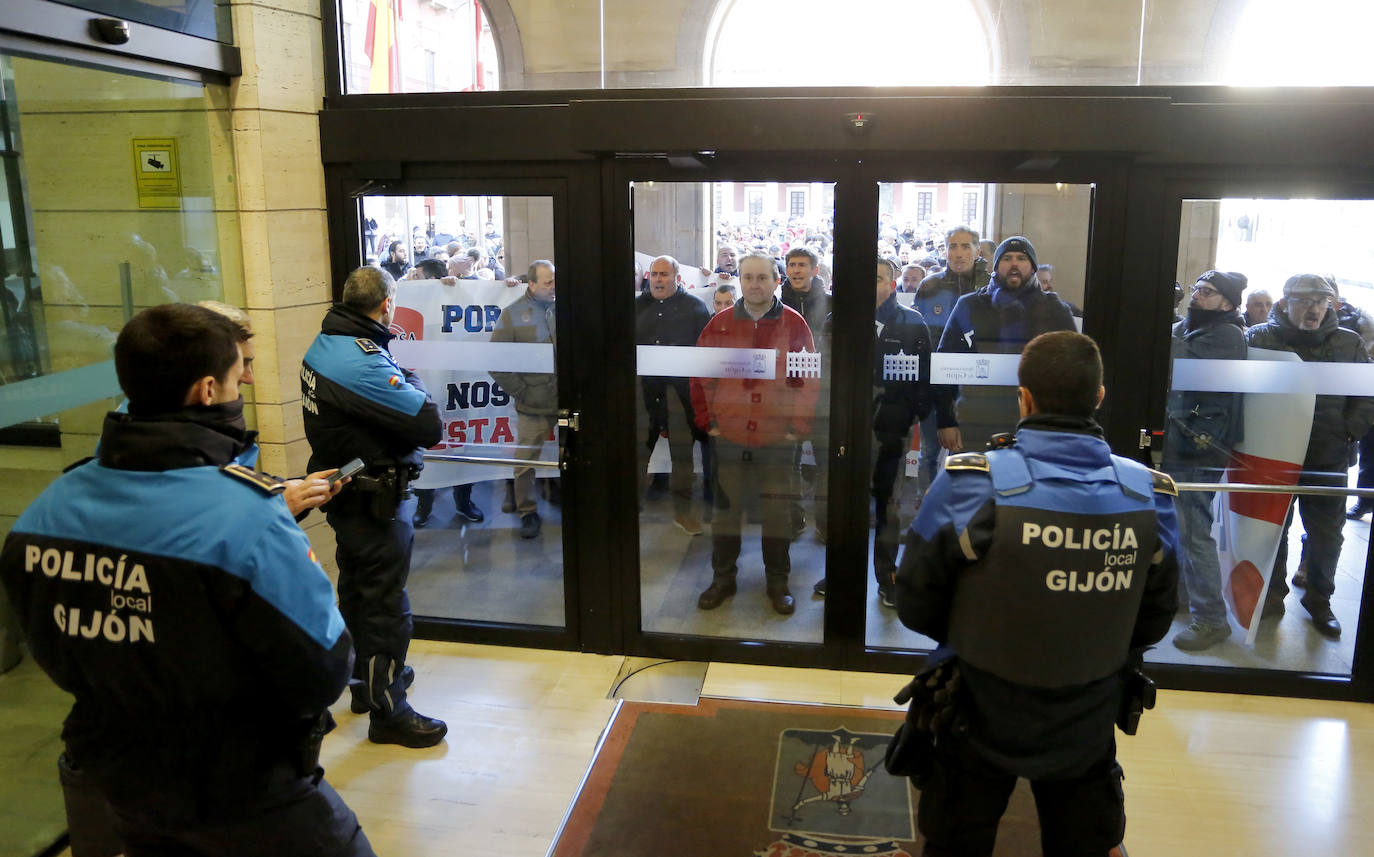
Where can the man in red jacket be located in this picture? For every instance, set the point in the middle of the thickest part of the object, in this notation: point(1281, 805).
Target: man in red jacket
point(755, 416)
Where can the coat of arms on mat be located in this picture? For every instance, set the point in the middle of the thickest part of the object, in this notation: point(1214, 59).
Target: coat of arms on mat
point(829, 796)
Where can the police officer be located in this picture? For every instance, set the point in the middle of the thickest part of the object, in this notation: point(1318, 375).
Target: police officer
point(170, 591)
point(359, 404)
point(1039, 568)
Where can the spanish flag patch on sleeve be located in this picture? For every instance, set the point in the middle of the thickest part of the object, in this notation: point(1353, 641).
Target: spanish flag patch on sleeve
point(394, 380)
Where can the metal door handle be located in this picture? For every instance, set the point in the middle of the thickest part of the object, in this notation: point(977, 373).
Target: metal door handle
point(570, 420)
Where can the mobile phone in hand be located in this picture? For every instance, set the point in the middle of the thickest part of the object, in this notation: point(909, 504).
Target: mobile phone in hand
point(352, 468)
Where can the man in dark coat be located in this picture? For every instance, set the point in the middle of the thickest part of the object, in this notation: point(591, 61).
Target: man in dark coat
point(1203, 429)
point(1304, 322)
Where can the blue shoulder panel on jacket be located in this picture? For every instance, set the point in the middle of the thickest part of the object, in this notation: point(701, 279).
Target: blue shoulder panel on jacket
point(182, 514)
point(1010, 475)
point(953, 499)
point(371, 374)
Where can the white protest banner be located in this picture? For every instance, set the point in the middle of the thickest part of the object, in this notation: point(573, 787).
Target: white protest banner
point(1247, 530)
point(443, 334)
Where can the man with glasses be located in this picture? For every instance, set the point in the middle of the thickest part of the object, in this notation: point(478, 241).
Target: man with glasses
point(1202, 429)
point(1304, 322)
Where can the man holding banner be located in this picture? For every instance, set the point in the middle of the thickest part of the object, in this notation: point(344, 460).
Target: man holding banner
point(530, 319)
point(1203, 428)
point(1304, 322)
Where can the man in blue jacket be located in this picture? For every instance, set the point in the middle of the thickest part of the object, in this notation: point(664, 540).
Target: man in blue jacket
point(359, 404)
point(1041, 568)
point(169, 590)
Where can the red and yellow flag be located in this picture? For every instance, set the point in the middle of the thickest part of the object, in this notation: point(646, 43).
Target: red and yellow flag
point(382, 46)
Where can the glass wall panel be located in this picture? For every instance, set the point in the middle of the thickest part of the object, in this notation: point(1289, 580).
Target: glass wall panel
point(489, 530)
point(469, 46)
point(192, 17)
point(1271, 386)
point(117, 194)
point(944, 364)
point(731, 297)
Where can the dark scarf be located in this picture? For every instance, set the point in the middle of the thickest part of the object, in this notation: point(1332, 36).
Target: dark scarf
point(195, 436)
point(1062, 422)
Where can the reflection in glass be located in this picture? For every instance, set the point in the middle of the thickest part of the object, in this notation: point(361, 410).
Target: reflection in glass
point(398, 46)
point(732, 406)
point(981, 288)
point(1278, 404)
point(488, 542)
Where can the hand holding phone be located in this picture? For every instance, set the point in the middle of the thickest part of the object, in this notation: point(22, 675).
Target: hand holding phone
point(352, 468)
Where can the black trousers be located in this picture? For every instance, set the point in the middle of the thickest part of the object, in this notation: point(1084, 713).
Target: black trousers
point(374, 562)
point(963, 798)
point(299, 816)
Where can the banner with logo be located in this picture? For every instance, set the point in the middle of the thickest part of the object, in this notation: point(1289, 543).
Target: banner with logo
point(443, 334)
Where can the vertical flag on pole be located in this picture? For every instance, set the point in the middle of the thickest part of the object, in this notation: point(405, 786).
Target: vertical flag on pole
point(382, 46)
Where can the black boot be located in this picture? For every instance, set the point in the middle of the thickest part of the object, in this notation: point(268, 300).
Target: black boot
point(406, 727)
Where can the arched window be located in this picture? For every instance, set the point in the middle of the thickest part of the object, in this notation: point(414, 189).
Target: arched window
point(418, 46)
point(854, 43)
point(1313, 43)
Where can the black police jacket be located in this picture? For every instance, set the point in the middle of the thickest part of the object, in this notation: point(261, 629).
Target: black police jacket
point(1044, 567)
point(358, 402)
point(179, 603)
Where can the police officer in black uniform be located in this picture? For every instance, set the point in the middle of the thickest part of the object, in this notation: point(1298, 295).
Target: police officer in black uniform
point(1042, 569)
point(169, 590)
point(359, 404)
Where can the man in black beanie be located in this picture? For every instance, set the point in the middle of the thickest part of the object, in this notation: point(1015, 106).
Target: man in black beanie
point(999, 318)
point(1202, 430)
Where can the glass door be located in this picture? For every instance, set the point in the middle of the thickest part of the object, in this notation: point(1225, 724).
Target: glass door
point(1267, 428)
point(942, 379)
point(477, 320)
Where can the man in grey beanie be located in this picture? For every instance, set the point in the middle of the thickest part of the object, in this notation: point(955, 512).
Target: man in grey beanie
point(1304, 322)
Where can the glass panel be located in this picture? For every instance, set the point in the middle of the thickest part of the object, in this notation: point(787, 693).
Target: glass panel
point(74, 270)
point(80, 251)
point(486, 548)
point(1275, 405)
point(617, 44)
point(939, 267)
point(192, 17)
point(733, 423)
point(425, 46)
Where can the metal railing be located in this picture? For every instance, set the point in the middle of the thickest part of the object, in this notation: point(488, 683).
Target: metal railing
point(1248, 488)
point(494, 462)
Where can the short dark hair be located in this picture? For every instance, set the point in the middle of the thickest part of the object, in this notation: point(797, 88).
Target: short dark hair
point(367, 288)
point(392, 246)
point(165, 349)
point(433, 269)
point(810, 255)
point(725, 289)
point(892, 267)
point(1063, 372)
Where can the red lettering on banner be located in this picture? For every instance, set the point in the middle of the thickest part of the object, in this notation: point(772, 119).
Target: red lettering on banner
point(457, 433)
point(477, 426)
point(1261, 471)
point(501, 433)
